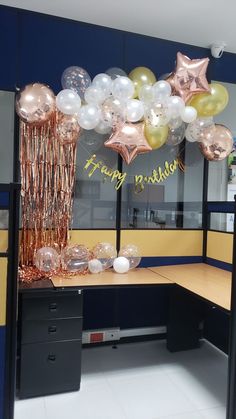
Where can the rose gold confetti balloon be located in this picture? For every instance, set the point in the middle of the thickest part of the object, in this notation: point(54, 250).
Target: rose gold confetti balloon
point(47, 259)
point(216, 142)
point(74, 258)
point(35, 103)
point(68, 129)
point(105, 253)
point(132, 253)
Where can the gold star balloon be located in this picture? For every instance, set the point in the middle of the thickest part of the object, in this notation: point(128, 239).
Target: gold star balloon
point(129, 140)
point(190, 76)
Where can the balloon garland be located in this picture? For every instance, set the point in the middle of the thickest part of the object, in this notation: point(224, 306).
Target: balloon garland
point(140, 113)
point(137, 112)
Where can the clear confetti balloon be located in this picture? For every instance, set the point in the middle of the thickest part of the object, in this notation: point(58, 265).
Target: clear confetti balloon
point(67, 129)
point(156, 114)
point(105, 253)
point(132, 253)
point(76, 78)
point(194, 129)
point(176, 135)
point(175, 123)
point(74, 258)
point(47, 259)
point(113, 111)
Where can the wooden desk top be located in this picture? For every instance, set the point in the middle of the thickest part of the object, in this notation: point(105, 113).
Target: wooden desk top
point(211, 283)
point(139, 276)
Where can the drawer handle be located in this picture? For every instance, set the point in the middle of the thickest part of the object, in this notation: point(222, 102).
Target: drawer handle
point(52, 330)
point(53, 307)
point(51, 357)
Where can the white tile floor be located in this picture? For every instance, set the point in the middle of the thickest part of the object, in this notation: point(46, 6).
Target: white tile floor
point(140, 381)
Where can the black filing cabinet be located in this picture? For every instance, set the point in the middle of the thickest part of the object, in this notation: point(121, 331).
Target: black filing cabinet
point(50, 337)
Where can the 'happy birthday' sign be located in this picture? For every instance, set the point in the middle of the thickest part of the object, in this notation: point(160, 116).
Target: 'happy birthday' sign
point(158, 175)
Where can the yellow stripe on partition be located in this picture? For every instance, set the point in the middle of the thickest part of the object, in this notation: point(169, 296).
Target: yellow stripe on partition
point(165, 242)
point(91, 237)
point(3, 240)
point(220, 246)
point(3, 290)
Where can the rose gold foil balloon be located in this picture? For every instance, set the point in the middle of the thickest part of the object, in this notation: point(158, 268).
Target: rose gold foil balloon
point(216, 142)
point(68, 129)
point(35, 103)
point(129, 140)
point(47, 259)
point(74, 258)
point(189, 77)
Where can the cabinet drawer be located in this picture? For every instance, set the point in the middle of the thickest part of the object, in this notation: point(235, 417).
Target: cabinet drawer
point(51, 307)
point(48, 368)
point(49, 330)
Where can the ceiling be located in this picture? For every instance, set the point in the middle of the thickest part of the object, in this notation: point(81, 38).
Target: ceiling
point(196, 22)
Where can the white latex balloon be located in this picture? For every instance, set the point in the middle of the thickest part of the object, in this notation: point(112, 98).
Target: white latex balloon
point(146, 93)
point(134, 110)
point(94, 95)
point(95, 266)
point(103, 128)
point(104, 82)
point(161, 90)
point(68, 102)
point(175, 106)
point(122, 88)
point(121, 265)
point(89, 116)
point(188, 114)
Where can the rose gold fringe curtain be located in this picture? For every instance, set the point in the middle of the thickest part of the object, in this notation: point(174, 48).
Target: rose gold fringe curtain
point(47, 184)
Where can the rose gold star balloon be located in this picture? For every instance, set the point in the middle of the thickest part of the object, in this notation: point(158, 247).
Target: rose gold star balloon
point(129, 140)
point(216, 142)
point(170, 80)
point(190, 76)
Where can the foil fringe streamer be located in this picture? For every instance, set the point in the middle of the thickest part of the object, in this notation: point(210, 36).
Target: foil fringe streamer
point(47, 186)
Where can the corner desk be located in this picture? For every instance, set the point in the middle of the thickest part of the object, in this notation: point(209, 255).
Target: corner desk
point(51, 319)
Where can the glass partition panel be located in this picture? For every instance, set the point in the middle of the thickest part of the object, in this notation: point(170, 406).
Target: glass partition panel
point(222, 222)
point(7, 106)
point(176, 202)
point(95, 196)
point(222, 175)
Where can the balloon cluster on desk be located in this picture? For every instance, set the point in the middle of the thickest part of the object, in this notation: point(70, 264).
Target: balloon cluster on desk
point(77, 259)
point(140, 113)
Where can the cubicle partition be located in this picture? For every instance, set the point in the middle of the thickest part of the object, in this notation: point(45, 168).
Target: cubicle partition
point(116, 217)
point(9, 210)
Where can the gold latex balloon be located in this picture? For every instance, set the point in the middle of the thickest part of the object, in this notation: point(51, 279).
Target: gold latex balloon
point(156, 136)
point(210, 104)
point(141, 76)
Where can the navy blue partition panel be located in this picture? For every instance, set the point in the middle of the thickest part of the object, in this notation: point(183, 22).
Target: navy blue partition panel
point(48, 45)
point(8, 48)
point(157, 54)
